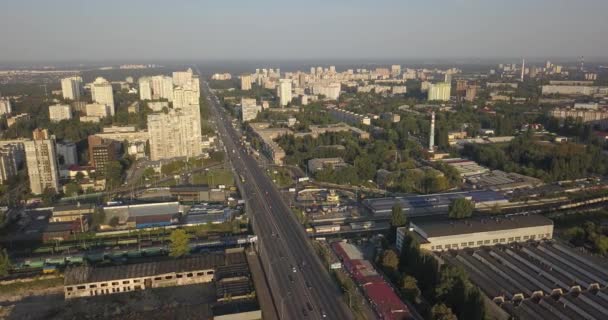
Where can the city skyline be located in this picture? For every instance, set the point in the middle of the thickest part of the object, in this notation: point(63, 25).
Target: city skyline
point(238, 30)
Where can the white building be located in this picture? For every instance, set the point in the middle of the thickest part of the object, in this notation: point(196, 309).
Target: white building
point(41, 161)
point(181, 78)
point(439, 92)
point(8, 162)
point(329, 90)
point(98, 110)
point(71, 88)
point(145, 88)
point(5, 106)
point(246, 82)
point(60, 112)
point(249, 109)
point(284, 91)
point(101, 92)
point(176, 134)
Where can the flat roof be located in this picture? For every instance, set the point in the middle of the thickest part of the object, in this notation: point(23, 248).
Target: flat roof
point(486, 224)
point(147, 209)
point(88, 274)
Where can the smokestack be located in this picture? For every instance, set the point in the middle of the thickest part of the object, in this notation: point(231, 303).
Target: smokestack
point(523, 69)
point(432, 135)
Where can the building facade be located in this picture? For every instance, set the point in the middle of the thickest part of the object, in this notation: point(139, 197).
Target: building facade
point(439, 92)
point(101, 92)
point(60, 112)
point(284, 92)
point(41, 161)
point(176, 134)
point(71, 88)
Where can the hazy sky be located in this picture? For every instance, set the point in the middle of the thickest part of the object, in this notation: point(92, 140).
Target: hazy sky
point(304, 29)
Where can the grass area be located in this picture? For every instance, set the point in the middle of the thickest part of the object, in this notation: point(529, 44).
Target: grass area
point(213, 178)
point(16, 287)
point(302, 218)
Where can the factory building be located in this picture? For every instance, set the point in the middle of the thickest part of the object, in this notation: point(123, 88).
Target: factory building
point(476, 232)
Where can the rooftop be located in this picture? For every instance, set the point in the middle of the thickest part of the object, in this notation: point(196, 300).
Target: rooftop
point(473, 225)
point(88, 274)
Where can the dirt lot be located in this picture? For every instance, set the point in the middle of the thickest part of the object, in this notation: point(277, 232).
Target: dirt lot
point(185, 302)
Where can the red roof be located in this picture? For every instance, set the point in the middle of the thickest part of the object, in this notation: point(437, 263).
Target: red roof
point(386, 303)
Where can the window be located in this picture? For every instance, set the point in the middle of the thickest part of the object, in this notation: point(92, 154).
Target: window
point(137, 287)
point(533, 237)
point(432, 247)
point(136, 281)
point(495, 241)
point(471, 243)
point(479, 243)
point(168, 277)
point(511, 239)
point(126, 282)
point(104, 284)
point(81, 287)
point(447, 246)
point(92, 286)
point(517, 238)
point(210, 272)
point(69, 288)
point(114, 283)
point(200, 273)
point(486, 242)
point(179, 276)
point(158, 278)
point(438, 247)
point(502, 240)
point(526, 237)
point(464, 244)
point(189, 275)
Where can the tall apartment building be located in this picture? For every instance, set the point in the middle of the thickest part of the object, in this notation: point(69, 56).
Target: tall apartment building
point(41, 162)
point(176, 134)
point(246, 82)
point(5, 106)
point(145, 88)
point(155, 88)
point(181, 78)
point(395, 70)
point(71, 88)
point(249, 109)
point(284, 91)
point(101, 92)
point(8, 162)
point(471, 93)
point(329, 90)
point(185, 96)
point(439, 92)
point(60, 112)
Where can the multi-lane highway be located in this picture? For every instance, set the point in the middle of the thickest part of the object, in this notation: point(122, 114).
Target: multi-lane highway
point(300, 285)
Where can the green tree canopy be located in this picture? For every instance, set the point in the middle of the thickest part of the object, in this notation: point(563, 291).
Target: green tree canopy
point(398, 218)
point(390, 261)
point(5, 263)
point(409, 288)
point(179, 243)
point(442, 312)
point(461, 208)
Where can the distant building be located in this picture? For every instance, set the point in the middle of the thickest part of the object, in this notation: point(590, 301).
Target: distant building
point(471, 93)
point(439, 92)
point(8, 162)
point(156, 87)
point(443, 235)
point(246, 82)
point(317, 164)
point(348, 116)
point(395, 70)
point(10, 121)
point(101, 92)
point(71, 88)
point(60, 112)
point(595, 117)
point(176, 134)
point(98, 110)
point(284, 92)
point(5, 106)
point(569, 90)
point(42, 162)
point(249, 111)
point(329, 90)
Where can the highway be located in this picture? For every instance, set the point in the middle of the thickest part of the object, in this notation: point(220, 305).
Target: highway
point(301, 286)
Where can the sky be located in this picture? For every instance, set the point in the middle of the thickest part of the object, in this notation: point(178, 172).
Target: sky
point(147, 30)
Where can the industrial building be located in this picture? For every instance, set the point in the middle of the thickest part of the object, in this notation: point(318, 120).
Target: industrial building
point(538, 280)
point(68, 213)
point(498, 180)
point(88, 281)
point(198, 193)
point(476, 232)
point(432, 204)
point(145, 215)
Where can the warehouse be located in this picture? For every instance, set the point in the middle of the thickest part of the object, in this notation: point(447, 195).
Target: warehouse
point(477, 232)
point(432, 204)
point(144, 215)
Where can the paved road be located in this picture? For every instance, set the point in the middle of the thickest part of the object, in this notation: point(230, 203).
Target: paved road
point(301, 287)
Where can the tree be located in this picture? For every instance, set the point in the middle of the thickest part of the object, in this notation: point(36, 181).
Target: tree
point(113, 174)
point(442, 312)
point(390, 261)
point(398, 218)
point(114, 221)
point(409, 288)
point(179, 243)
point(5, 263)
point(461, 208)
point(72, 189)
point(79, 176)
point(49, 196)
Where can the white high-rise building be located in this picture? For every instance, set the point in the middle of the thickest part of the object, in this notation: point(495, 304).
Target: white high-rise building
point(41, 162)
point(395, 70)
point(246, 82)
point(249, 109)
point(101, 92)
point(145, 88)
point(439, 91)
point(5, 106)
point(71, 88)
point(284, 91)
point(329, 90)
point(60, 112)
point(176, 134)
point(8, 162)
point(181, 78)
point(98, 110)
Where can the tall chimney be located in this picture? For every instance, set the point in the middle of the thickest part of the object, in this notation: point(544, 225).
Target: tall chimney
point(523, 69)
point(432, 135)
